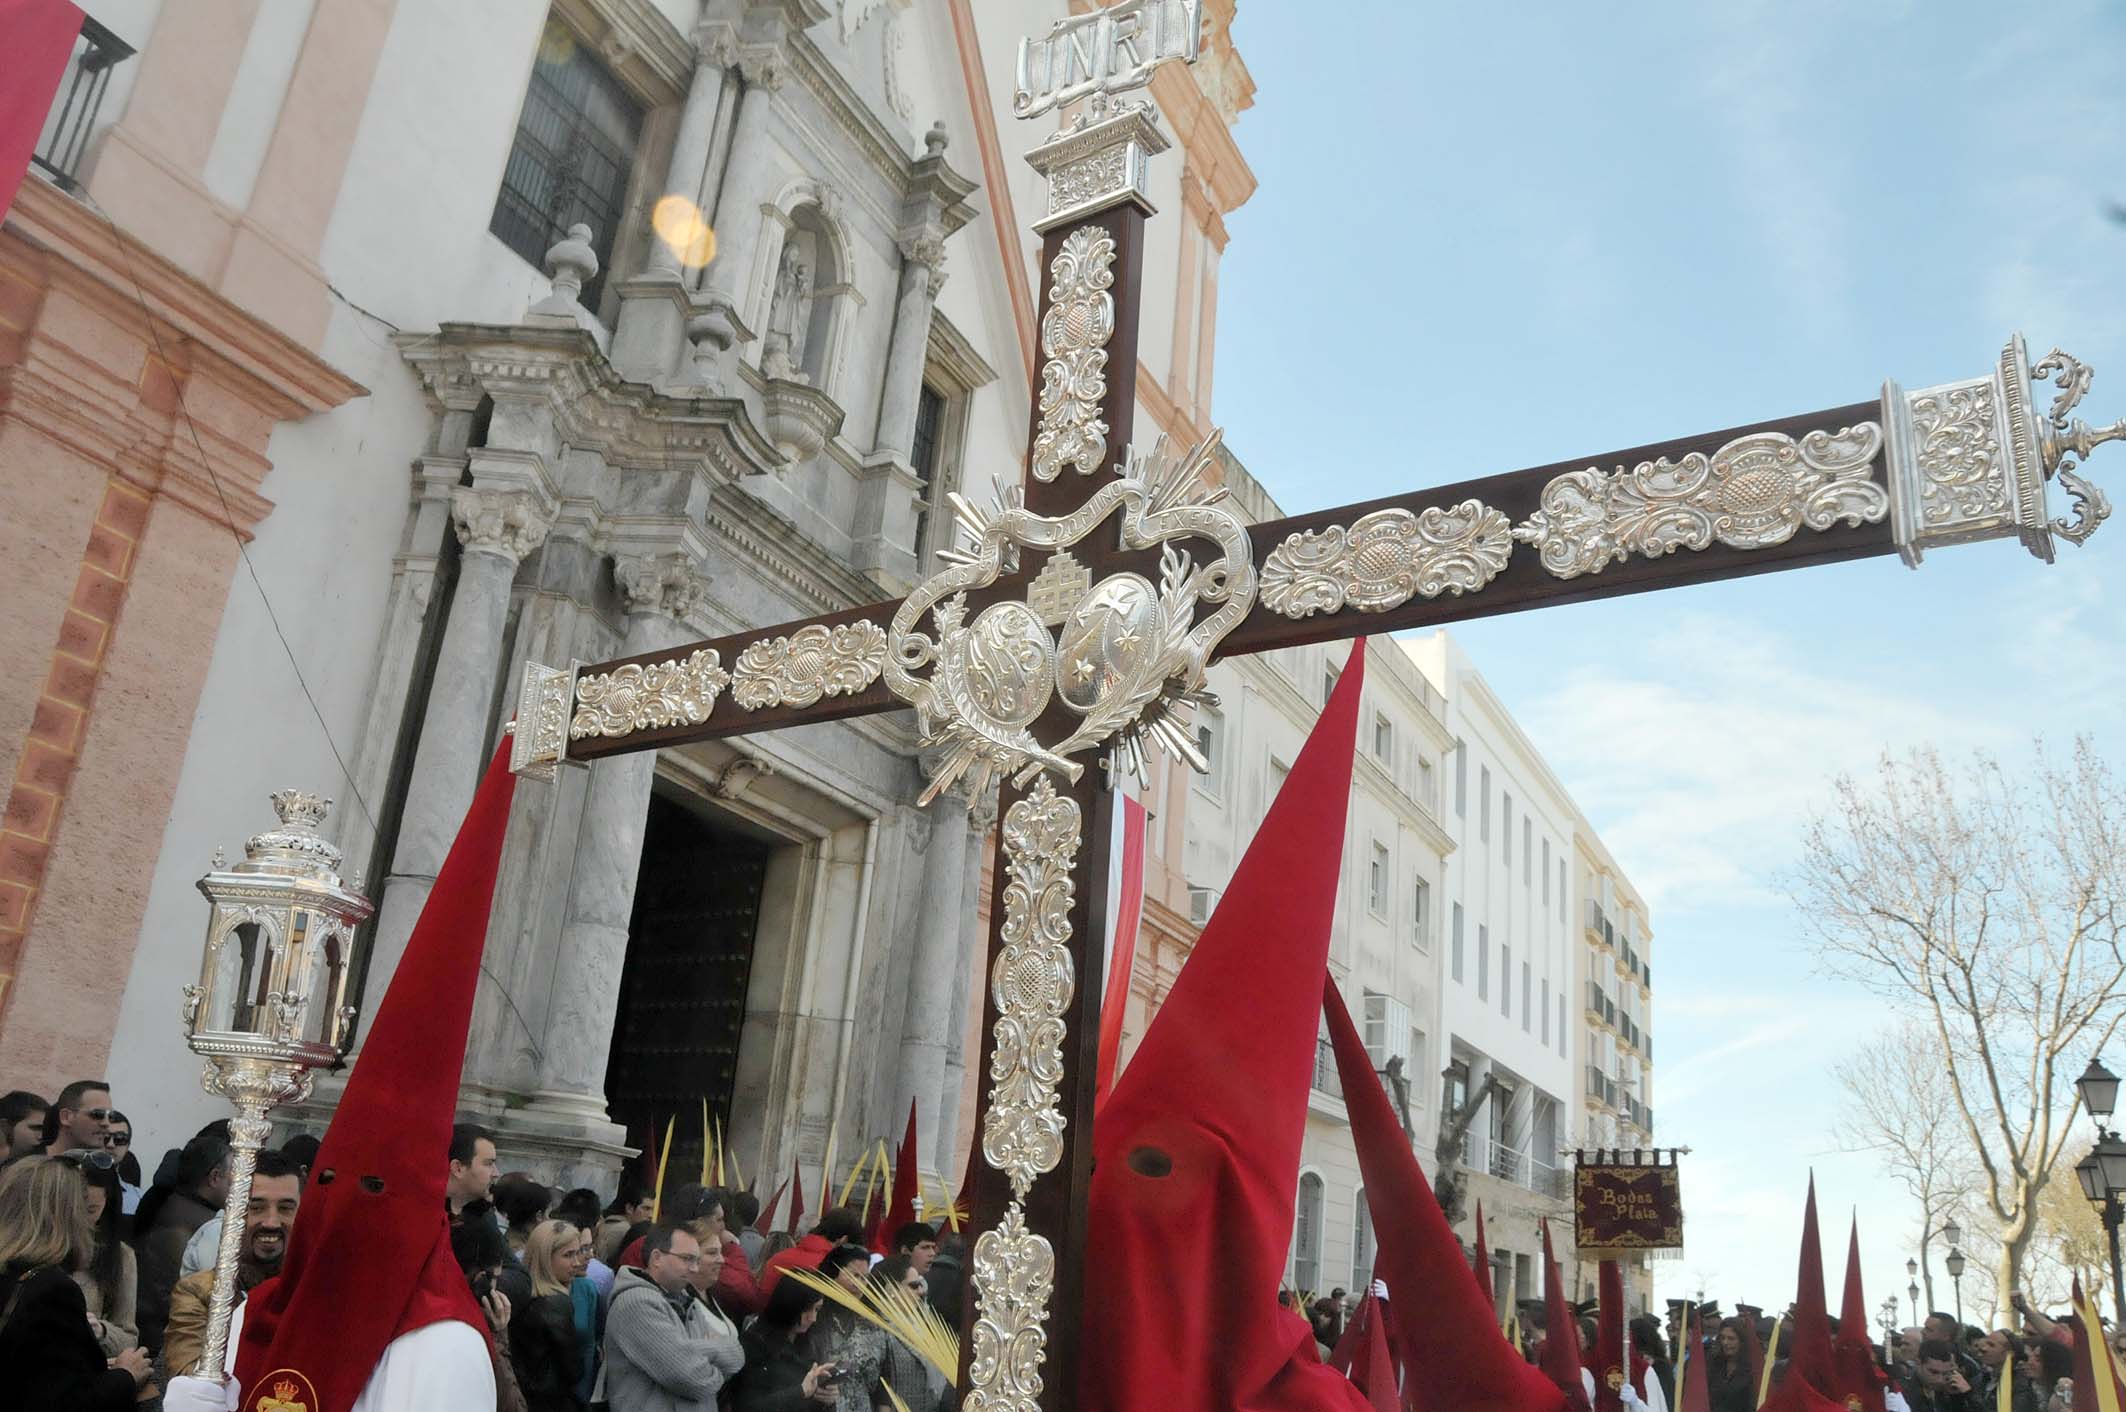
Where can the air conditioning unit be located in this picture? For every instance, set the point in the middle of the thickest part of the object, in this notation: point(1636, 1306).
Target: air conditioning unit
point(1201, 900)
point(1386, 1029)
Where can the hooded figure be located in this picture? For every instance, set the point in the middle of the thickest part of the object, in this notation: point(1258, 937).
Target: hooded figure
point(1857, 1373)
point(370, 1312)
point(1196, 1153)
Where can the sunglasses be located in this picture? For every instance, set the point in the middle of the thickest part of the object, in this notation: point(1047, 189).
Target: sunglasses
point(90, 1157)
point(118, 1140)
point(99, 1115)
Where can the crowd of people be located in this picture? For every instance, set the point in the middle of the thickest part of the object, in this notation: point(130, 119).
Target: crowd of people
point(632, 1302)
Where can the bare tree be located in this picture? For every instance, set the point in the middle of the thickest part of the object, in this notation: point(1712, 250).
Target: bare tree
point(1900, 1106)
point(1991, 906)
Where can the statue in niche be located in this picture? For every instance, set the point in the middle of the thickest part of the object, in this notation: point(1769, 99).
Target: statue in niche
point(789, 316)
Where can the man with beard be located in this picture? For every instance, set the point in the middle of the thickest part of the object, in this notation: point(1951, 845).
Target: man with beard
point(276, 1192)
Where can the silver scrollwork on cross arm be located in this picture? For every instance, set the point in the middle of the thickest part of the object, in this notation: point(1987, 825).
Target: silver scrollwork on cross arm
point(1756, 491)
point(1381, 560)
point(1074, 335)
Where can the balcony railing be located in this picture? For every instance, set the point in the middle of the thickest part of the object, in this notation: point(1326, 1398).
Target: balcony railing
point(96, 52)
point(1326, 1079)
point(1509, 1164)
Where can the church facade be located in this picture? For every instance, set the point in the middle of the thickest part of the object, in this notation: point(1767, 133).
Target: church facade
point(359, 353)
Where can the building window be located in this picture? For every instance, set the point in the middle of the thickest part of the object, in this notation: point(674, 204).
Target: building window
point(1384, 742)
point(1454, 1088)
point(1483, 803)
point(1377, 881)
point(1506, 833)
point(1546, 872)
point(1361, 1243)
point(1546, 1005)
point(1306, 1234)
point(1525, 991)
point(1527, 850)
point(570, 163)
point(1329, 676)
point(923, 456)
point(1421, 914)
point(1210, 743)
point(1461, 779)
point(1483, 962)
point(1457, 941)
point(1506, 980)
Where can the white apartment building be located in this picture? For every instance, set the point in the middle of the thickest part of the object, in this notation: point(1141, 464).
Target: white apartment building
point(1384, 951)
point(1508, 969)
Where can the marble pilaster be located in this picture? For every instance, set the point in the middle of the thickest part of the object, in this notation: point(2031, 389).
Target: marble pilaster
point(929, 1023)
point(496, 528)
point(660, 591)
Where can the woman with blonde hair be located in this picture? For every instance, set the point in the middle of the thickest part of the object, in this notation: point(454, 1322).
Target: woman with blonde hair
point(542, 1335)
point(46, 1343)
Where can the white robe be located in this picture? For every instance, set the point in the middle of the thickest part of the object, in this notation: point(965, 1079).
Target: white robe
point(440, 1368)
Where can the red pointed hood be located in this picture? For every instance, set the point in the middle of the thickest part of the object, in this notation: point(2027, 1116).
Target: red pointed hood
point(1811, 1357)
point(371, 1259)
point(1454, 1357)
point(900, 1207)
point(1481, 1262)
point(1696, 1393)
point(1859, 1373)
point(1196, 1152)
point(765, 1221)
point(1561, 1333)
point(1372, 1366)
point(1792, 1394)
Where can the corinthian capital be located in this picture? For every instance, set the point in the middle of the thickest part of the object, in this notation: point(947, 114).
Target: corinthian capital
point(511, 523)
point(764, 67)
point(671, 584)
point(717, 44)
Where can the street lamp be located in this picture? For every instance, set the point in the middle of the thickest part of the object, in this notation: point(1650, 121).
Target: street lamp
point(1955, 1262)
point(1912, 1274)
point(1912, 1298)
point(2103, 1172)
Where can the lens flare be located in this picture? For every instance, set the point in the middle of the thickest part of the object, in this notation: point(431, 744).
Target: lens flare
point(684, 230)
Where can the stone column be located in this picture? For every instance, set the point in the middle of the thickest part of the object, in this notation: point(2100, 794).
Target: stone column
point(649, 337)
point(926, 1032)
point(969, 980)
point(737, 203)
point(686, 175)
point(660, 590)
point(922, 276)
point(497, 527)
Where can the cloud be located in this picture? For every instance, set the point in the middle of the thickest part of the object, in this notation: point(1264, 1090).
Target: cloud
point(1700, 750)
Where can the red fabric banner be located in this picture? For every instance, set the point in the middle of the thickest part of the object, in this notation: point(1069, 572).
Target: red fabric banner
point(38, 38)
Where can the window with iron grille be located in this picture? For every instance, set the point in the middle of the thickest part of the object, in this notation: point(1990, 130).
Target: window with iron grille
point(923, 459)
point(571, 160)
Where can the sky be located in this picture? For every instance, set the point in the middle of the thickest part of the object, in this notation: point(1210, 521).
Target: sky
point(1490, 236)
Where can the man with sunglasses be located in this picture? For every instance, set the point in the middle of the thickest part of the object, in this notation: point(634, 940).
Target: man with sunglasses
point(79, 1117)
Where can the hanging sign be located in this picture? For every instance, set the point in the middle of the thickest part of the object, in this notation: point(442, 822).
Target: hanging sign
point(1625, 1202)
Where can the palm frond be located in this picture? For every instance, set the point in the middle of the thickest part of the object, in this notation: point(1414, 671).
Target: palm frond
point(911, 1320)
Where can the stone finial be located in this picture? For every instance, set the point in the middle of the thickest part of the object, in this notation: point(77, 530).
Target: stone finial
point(934, 140)
point(711, 332)
point(568, 264)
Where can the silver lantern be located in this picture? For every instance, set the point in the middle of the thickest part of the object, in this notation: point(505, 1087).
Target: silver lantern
point(270, 1006)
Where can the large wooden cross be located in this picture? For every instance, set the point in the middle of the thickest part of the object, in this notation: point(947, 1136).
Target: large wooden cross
point(1073, 627)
